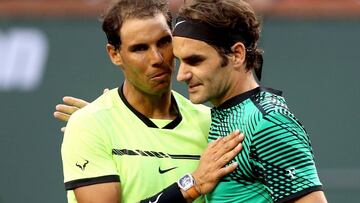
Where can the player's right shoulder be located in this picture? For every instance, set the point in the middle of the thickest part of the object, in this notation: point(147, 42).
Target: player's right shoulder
point(103, 103)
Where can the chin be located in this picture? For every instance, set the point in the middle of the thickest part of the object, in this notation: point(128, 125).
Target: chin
point(196, 100)
point(163, 85)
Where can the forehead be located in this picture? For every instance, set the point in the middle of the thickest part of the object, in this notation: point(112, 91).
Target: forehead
point(184, 47)
point(141, 30)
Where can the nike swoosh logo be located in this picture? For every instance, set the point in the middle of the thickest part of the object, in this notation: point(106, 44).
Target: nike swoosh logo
point(166, 170)
point(178, 23)
point(157, 199)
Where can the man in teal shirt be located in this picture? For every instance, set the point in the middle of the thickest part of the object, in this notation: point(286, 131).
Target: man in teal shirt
point(216, 43)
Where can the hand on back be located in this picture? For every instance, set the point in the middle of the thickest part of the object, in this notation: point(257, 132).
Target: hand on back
point(70, 105)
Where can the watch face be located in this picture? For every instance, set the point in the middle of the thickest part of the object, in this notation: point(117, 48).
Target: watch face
point(186, 182)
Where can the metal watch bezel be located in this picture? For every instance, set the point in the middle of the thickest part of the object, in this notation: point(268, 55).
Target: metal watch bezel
point(186, 182)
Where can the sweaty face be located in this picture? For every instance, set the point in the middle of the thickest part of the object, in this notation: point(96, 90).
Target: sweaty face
point(146, 54)
point(200, 67)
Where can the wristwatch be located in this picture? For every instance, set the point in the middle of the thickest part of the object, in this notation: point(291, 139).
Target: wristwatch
point(187, 183)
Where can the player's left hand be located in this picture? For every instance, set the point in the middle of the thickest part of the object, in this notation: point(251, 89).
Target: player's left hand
point(64, 111)
point(213, 161)
point(71, 105)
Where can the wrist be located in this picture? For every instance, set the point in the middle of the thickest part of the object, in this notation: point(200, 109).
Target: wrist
point(170, 194)
point(197, 183)
point(187, 186)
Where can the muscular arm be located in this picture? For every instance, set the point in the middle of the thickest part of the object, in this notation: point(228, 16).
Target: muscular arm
point(99, 193)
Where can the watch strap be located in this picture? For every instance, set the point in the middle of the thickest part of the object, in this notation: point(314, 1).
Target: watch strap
point(193, 193)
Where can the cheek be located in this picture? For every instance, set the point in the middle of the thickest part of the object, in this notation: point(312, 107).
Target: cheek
point(168, 54)
point(133, 68)
point(216, 83)
point(136, 62)
point(211, 76)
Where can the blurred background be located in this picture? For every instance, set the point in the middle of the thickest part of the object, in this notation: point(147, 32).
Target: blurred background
point(52, 48)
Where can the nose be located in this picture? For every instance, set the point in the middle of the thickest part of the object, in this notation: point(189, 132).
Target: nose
point(156, 57)
point(184, 73)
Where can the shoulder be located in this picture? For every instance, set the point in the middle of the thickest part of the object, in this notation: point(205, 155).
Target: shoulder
point(279, 125)
point(273, 108)
point(103, 103)
point(269, 101)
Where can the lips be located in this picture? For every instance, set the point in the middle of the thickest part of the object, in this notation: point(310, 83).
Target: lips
point(192, 87)
point(161, 76)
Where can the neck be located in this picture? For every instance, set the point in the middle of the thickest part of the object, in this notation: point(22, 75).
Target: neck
point(152, 106)
point(239, 83)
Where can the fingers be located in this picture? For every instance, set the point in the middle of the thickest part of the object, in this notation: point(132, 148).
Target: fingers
point(72, 101)
point(106, 90)
point(227, 169)
point(66, 109)
point(213, 161)
point(61, 116)
point(213, 143)
point(227, 144)
point(221, 141)
point(72, 104)
point(226, 158)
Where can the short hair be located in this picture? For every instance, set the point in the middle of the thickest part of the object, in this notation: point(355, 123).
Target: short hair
point(120, 10)
point(236, 15)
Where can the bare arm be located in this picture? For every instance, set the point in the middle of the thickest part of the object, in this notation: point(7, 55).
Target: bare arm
point(314, 197)
point(99, 193)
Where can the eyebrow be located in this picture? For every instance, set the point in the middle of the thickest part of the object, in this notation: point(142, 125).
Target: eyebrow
point(140, 45)
point(135, 46)
point(165, 38)
point(194, 57)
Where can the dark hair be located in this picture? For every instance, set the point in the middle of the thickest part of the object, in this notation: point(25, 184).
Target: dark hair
point(235, 15)
point(120, 10)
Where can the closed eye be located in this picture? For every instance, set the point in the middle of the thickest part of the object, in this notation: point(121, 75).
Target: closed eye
point(138, 47)
point(194, 60)
point(164, 41)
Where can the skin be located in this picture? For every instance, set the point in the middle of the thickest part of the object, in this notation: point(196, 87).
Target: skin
point(174, 5)
point(147, 63)
point(201, 70)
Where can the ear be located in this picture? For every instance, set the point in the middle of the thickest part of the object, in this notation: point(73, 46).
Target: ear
point(238, 55)
point(114, 54)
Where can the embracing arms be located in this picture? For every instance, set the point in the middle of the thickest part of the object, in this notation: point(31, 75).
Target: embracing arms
point(211, 166)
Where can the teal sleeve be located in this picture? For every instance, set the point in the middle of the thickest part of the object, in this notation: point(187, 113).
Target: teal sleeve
point(284, 158)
